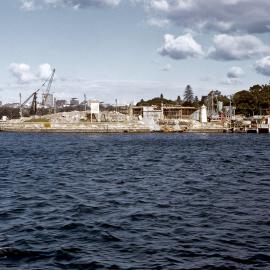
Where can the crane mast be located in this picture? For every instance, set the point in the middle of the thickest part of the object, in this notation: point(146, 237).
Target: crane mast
point(47, 92)
point(33, 109)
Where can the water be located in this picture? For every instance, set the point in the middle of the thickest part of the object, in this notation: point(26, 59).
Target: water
point(152, 201)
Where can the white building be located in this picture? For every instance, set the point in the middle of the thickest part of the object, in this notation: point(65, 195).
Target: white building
point(47, 100)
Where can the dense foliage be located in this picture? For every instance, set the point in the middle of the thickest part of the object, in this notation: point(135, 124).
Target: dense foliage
point(255, 101)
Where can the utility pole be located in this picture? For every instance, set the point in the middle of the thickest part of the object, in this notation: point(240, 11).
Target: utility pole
point(85, 102)
point(116, 109)
point(20, 105)
point(54, 103)
point(230, 111)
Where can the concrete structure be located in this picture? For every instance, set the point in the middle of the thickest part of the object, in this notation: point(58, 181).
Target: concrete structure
point(203, 116)
point(177, 112)
point(164, 112)
point(61, 103)
point(4, 118)
point(47, 100)
point(74, 102)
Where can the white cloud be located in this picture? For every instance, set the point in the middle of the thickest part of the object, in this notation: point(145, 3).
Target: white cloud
point(158, 22)
point(227, 47)
point(44, 71)
point(262, 66)
point(181, 47)
point(219, 15)
point(235, 72)
point(24, 75)
point(30, 5)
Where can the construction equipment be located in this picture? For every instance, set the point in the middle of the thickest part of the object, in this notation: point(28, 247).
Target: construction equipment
point(46, 94)
point(33, 108)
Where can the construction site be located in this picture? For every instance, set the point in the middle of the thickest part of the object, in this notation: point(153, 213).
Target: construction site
point(95, 118)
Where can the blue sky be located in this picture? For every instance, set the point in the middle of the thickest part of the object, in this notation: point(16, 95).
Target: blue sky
point(133, 49)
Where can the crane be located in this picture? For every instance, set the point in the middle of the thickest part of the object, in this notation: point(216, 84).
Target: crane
point(47, 92)
point(33, 108)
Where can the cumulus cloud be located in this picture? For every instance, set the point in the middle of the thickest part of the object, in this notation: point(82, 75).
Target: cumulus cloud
point(24, 75)
point(227, 47)
point(262, 66)
point(181, 47)
point(235, 72)
point(44, 71)
point(223, 15)
point(29, 5)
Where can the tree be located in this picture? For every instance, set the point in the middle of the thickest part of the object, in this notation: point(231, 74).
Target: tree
point(188, 96)
point(244, 102)
point(196, 101)
point(178, 100)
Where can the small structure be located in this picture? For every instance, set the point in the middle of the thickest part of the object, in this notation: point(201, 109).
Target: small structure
point(47, 100)
point(94, 109)
point(177, 112)
point(203, 117)
point(61, 103)
point(4, 118)
point(163, 112)
point(74, 102)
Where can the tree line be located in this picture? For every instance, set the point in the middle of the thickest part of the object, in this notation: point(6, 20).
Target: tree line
point(255, 101)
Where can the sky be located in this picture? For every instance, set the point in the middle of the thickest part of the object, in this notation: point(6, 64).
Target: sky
point(133, 49)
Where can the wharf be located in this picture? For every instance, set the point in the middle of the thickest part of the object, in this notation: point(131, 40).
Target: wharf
point(74, 127)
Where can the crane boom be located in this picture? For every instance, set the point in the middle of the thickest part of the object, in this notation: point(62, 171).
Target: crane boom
point(33, 109)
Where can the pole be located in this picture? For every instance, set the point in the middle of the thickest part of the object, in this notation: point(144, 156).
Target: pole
point(116, 110)
point(20, 105)
point(230, 111)
point(85, 102)
point(91, 111)
point(54, 101)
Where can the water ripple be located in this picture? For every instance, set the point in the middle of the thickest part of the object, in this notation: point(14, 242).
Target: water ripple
point(133, 202)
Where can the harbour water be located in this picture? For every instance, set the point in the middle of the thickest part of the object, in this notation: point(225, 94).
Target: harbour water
point(140, 201)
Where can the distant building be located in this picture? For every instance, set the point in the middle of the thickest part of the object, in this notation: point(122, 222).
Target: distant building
point(165, 112)
point(61, 103)
point(12, 105)
point(47, 100)
point(74, 102)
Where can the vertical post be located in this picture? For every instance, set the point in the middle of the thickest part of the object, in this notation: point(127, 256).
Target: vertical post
point(91, 112)
point(230, 111)
point(20, 105)
point(85, 102)
point(54, 103)
point(116, 110)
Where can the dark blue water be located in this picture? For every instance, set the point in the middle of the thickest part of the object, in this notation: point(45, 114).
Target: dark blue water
point(151, 201)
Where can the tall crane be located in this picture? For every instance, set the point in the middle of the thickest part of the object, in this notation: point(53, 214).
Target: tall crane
point(47, 91)
point(33, 108)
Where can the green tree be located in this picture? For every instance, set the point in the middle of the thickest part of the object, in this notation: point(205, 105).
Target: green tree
point(196, 101)
point(244, 102)
point(178, 100)
point(188, 94)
